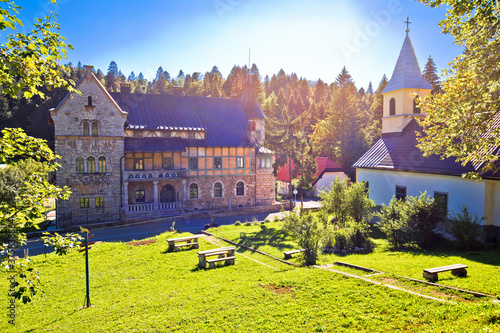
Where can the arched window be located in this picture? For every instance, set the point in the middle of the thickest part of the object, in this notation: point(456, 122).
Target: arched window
point(86, 130)
point(193, 191)
point(94, 129)
point(91, 164)
point(79, 165)
point(102, 164)
point(89, 99)
point(167, 194)
point(416, 109)
point(140, 194)
point(240, 188)
point(392, 107)
point(217, 190)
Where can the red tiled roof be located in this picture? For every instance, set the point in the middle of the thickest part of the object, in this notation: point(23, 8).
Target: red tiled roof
point(324, 165)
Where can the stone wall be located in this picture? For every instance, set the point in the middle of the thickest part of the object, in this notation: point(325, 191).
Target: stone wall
point(70, 143)
point(266, 187)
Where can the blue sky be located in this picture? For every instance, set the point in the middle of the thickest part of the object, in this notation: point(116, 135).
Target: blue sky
point(313, 38)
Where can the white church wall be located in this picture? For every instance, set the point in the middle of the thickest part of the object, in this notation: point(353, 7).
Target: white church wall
point(492, 203)
point(382, 187)
point(326, 179)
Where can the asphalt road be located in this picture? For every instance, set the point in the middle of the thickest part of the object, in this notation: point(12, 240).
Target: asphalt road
point(140, 231)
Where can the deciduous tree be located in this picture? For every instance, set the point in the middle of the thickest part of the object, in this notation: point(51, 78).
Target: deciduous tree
point(458, 118)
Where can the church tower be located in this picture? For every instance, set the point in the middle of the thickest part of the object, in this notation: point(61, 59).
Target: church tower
point(400, 94)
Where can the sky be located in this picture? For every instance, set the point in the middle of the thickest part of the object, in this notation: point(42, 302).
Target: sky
point(313, 38)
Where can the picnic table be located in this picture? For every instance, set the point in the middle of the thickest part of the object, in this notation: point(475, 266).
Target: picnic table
point(190, 241)
point(226, 254)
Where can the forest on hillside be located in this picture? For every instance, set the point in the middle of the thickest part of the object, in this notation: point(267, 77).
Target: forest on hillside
point(305, 119)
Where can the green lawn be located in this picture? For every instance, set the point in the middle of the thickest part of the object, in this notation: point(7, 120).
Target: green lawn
point(145, 289)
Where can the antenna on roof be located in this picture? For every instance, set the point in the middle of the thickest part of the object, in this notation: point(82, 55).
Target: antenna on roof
point(407, 25)
point(249, 63)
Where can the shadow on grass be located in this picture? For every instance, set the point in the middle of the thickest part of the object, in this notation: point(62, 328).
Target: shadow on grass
point(272, 237)
point(56, 320)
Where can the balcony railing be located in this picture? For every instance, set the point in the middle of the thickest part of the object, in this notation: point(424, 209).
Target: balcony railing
point(152, 207)
point(153, 175)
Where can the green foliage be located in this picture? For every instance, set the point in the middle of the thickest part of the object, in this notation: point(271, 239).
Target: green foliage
point(307, 233)
point(466, 228)
point(410, 221)
point(237, 223)
point(421, 214)
point(391, 221)
point(29, 60)
point(458, 118)
point(26, 284)
point(25, 183)
point(347, 202)
point(61, 244)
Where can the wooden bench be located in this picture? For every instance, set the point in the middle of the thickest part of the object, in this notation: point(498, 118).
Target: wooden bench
point(457, 270)
point(226, 254)
point(288, 254)
point(190, 241)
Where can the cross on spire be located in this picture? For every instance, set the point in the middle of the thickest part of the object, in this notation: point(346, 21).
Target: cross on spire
point(407, 24)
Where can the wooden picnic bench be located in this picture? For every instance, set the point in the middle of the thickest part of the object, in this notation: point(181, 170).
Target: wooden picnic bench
point(190, 241)
point(226, 254)
point(457, 270)
point(288, 254)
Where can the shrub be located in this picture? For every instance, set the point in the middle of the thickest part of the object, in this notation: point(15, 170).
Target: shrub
point(421, 215)
point(412, 220)
point(343, 239)
point(306, 231)
point(391, 222)
point(360, 235)
point(347, 202)
point(465, 227)
point(329, 236)
point(237, 223)
point(267, 221)
point(276, 219)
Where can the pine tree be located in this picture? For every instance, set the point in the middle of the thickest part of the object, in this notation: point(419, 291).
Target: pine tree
point(430, 74)
point(160, 83)
point(112, 77)
point(341, 135)
point(370, 88)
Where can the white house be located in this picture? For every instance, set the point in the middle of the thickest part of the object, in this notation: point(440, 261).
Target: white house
point(394, 166)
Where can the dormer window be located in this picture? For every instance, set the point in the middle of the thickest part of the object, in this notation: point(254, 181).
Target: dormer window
point(86, 129)
point(89, 99)
point(392, 107)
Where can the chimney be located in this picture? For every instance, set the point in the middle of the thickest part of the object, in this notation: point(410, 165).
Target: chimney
point(125, 88)
point(88, 74)
point(178, 91)
point(251, 131)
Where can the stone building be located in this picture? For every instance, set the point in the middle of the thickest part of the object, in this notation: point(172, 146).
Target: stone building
point(127, 156)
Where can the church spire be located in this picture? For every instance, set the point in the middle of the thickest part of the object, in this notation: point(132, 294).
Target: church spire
point(407, 72)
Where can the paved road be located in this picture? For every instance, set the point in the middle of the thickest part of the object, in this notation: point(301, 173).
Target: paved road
point(143, 230)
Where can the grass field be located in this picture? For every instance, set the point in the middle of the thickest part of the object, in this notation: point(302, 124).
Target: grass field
point(145, 289)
